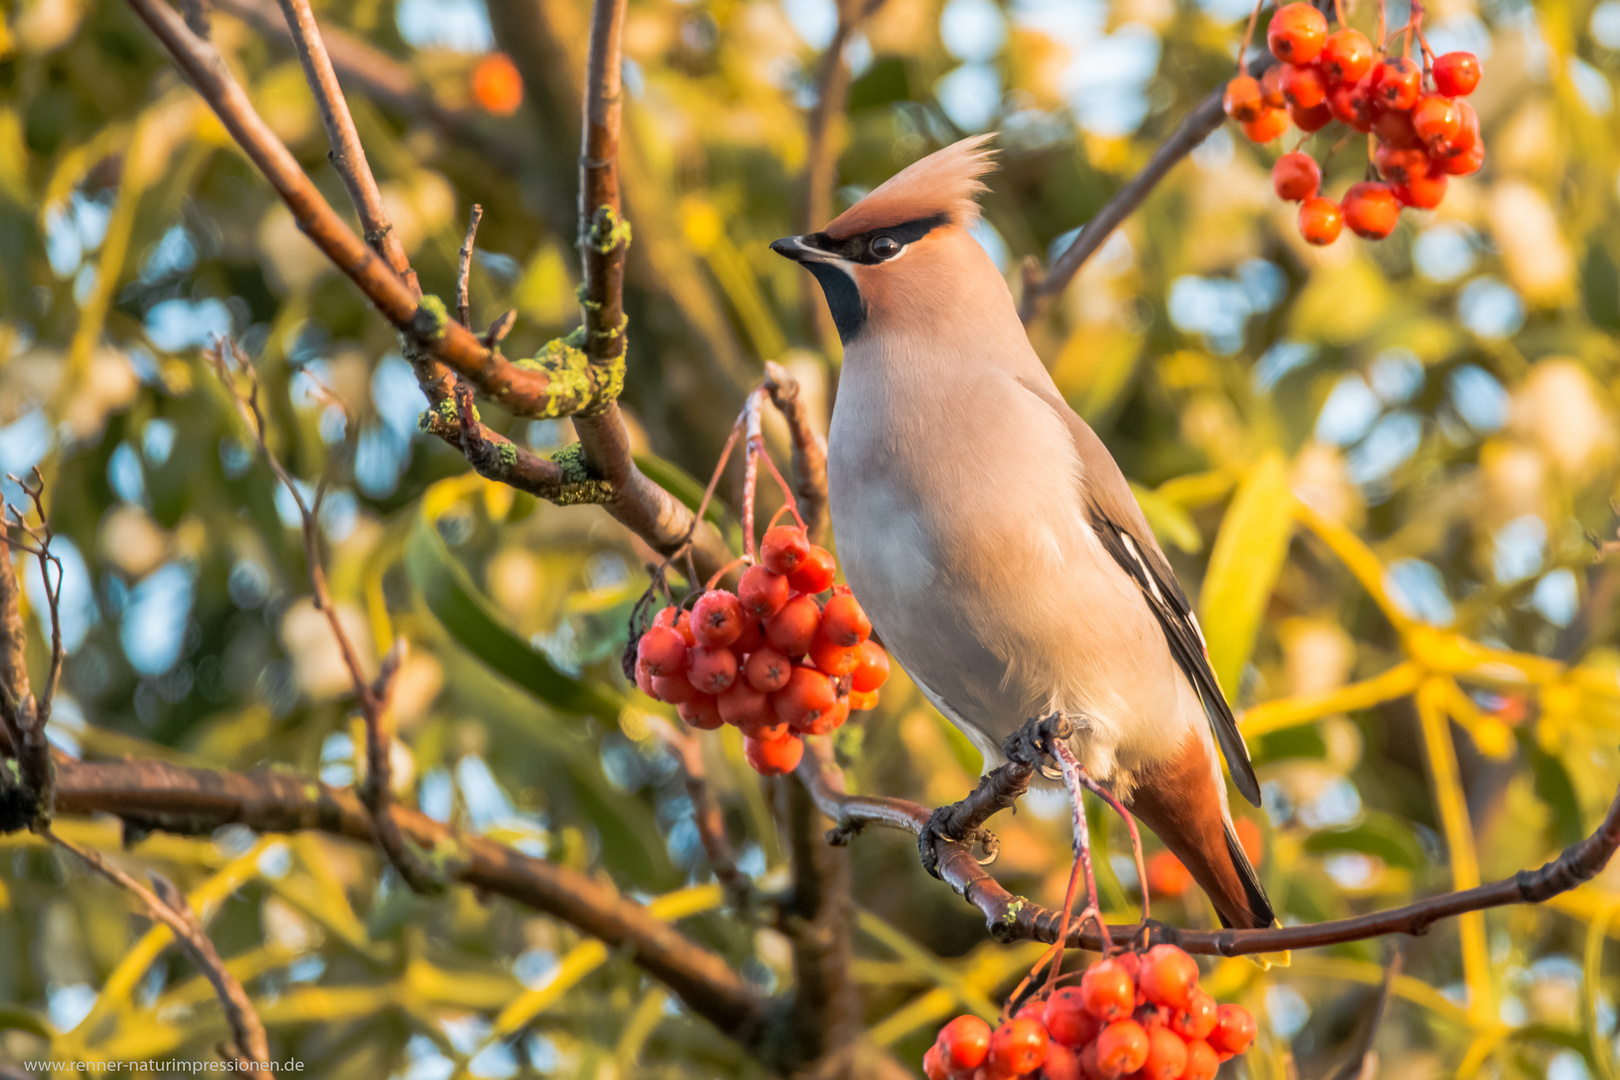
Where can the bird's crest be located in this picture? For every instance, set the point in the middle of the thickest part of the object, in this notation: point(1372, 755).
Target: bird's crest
point(945, 182)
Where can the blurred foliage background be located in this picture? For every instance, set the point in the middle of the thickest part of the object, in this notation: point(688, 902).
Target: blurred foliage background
point(1432, 704)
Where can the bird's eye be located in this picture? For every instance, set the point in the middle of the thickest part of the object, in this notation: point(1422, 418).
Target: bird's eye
point(885, 247)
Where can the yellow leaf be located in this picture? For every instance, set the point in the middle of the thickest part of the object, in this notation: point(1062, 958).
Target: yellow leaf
point(1243, 567)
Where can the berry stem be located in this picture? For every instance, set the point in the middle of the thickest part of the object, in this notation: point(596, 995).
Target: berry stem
point(1130, 823)
point(719, 575)
point(1379, 36)
point(1338, 13)
point(752, 448)
point(1248, 36)
point(1082, 844)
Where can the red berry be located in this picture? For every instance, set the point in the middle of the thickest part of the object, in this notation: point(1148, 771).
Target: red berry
point(673, 689)
point(717, 618)
point(1394, 126)
point(1351, 106)
point(843, 622)
point(1197, 1020)
point(1371, 210)
point(934, 1065)
point(1234, 1030)
point(862, 700)
point(1168, 976)
point(815, 574)
point(1132, 963)
point(775, 757)
point(701, 711)
point(679, 620)
point(1422, 192)
point(1465, 164)
point(644, 681)
point(1202, 1061)
point(1271, 87)
point(1089, 1068)
point(767, 670)
point(763, 591)
point(662, 649)
point(806, 698)
point(829, 721)
point(1018, 1047)
point(1303, 86)
point(1061, 1063)
point(1067, 1019)
point(784, 548)
point(1107, 990)
point(1346, 56)
point(1267, 126)
point(751, 638)
point(743, 706)
point(1309, 120)
point(1320, 221)
point(712, 670)
point(1456, 73)
point(1464, 142)
point(1396, 83)
point(1297, 33)
point(1436, 119)
point(834, 660)
point(1243, 100)
point(1122, 1047)
point(964, 1043)
point(873, 670)
point(1166, 875)
point(1399, 165)
point(1166, 1056)
point(1295, 177)
point(791, 630)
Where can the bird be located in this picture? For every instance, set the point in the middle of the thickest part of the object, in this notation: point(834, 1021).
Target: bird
point(990, 535)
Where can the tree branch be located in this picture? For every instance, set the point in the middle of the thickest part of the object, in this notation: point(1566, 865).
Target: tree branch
point(26, 800)
point(809, 449)
point(1016, 918)
point(155, 795)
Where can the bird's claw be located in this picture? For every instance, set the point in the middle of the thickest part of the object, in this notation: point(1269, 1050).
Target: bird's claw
point(936, 832)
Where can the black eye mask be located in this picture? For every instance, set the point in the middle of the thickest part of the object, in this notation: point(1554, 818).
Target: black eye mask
point(858, 248)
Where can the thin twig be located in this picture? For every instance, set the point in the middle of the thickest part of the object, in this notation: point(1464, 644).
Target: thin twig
point(706, 813)
point(25, 713)
point(809, 449)
point(464, 270)
point(1362, 1064)
point(167, 905)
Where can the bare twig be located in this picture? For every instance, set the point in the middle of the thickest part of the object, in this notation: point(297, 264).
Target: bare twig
point(1362, 1064)
point(464, 269)
point(809, 449)
point(1015, 918)
point(154, 795)
point(26, 714)
point(706, 812)
point(167, 905)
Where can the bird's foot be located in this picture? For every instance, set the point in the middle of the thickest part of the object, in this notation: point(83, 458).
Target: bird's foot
point(942, 826)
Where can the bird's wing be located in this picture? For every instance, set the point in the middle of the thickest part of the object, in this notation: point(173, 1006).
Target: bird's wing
point(1124, 532)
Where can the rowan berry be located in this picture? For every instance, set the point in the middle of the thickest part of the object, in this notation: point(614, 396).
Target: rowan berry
point(934, 1065)
point(843, 622)
point(1398, 164)
point(829, 721)
point(1371, 210)
point(1166, 1056)
point(1107, 990)
point(1295, 177)
point(1394, 126)
point(1243, 100)
point(1396, 83)
point(1271, 87)
point(1351, 106)
point(767, 670)
point(662, 650)
point(673, 689)
point(1132, 963)
point(751, 638)
point(862, 700)
point(1436, 119)
point(1089, 1068)
point(775, 757)
point(1313, 119)
point(1267, 126)
point(873, 670)
point(680, 620)
point(1202, 1061)
point(1234, 1030)
point(1320, 221)
point(1346, 56)
point(834, 659)
point(743, 706)
point(1168, 976)
point(711, 669)
point(766, 729)
point(1422, 192)
point(1061, 1063)
point(701, 711)
point(644, 681)
point(1018, 1047)
point(1303, 86)
point(807, 696)
point(964, 1043)
point(1068, 1020)
point(783, 548)
point(1297, 33)
point(1197, 1020)
point(717, 618)
point(1166, 875)
point(791, 630)
point(815, 574)
point(1122, 1047)
point(1456, 73)
point(763, 591)
point(1465, 164)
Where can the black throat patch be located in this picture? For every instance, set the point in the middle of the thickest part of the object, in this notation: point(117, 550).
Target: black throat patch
point(838, 285)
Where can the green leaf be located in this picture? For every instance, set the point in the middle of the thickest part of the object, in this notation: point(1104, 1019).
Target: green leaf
point(473, 622)
point(681, 484)
point(1555, 788)
point(1243, 567)
point(1380, 834)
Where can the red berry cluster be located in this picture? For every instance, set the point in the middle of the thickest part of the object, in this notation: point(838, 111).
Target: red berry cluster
point(1138, 1016)
point(770, 658)
point(1421, 135)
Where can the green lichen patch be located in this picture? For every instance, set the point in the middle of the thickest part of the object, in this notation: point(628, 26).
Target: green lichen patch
point(608, 230)
point(432, 318)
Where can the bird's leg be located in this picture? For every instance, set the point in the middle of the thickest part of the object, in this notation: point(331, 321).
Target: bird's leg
point(1130, 823)
point(963, 822)
point(1072, 774)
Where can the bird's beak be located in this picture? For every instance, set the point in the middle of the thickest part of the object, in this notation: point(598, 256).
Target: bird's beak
point(795, 248)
